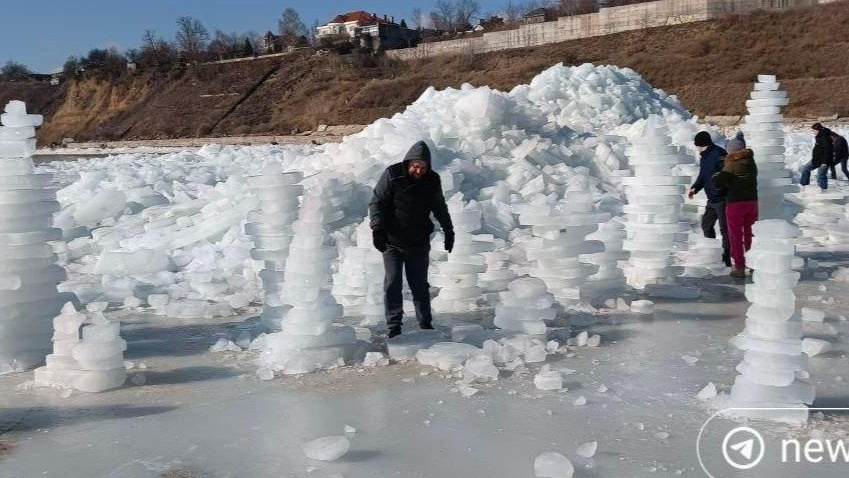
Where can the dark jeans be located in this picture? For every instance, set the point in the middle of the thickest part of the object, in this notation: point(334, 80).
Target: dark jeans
point(415, 261)
point(822, 175)
point(716, 211)
point(833, 168)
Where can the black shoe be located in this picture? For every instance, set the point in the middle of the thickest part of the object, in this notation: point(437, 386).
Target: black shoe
point(726, 260)
point(394, 332)
point(426, 327)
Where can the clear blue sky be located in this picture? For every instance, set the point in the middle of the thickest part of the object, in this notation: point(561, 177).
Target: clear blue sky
point(43, 33)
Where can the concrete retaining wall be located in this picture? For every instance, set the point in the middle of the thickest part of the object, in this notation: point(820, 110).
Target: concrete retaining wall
point(604, 22)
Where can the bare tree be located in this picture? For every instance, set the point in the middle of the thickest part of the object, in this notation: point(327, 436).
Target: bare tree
point(444, 15)
point(155, 51)
point(291, 28)
point(14, 71)
point(466, 10)
point(225, 45)
point(417, 17)
point(576, 7)
point(192, 38)
point(512, 12)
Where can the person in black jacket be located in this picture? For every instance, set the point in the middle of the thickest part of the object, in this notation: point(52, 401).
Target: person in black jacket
point(822, 157)
point(841, 155)
point(400, 208)
point(710, 163)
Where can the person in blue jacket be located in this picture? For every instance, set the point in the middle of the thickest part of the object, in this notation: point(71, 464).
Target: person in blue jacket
point(711, 162)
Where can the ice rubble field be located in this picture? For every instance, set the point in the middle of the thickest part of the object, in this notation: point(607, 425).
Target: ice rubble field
point(168, 230)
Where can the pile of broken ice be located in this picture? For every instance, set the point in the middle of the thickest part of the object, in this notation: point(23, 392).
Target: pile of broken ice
point(773, 382)
point(28, 271)
point(91, 363)
point(655, 196)
point(765, 136)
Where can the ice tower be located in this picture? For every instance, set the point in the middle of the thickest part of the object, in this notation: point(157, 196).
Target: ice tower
point(765, 136)
point(28, 271)
point(653, 211)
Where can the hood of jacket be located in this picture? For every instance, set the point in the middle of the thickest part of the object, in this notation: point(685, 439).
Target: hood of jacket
point(419, 151)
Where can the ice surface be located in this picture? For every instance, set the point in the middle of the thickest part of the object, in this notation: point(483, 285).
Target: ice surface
point(553, 465)
point(326, 448)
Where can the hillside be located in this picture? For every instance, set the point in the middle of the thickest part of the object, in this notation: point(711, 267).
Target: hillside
point(708, 65)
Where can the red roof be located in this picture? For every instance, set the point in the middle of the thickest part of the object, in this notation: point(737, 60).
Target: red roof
point(361, 17)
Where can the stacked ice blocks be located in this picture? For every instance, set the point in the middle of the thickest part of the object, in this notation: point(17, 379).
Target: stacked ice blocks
point(270, 228)
point(308, 340)
point(457, 277)
point(773, 371)
point(93, 363)
point(28, 271)
point(525, 307)
point(358, 285)
point(765, 136)
point(653, 211)
point(560, 231)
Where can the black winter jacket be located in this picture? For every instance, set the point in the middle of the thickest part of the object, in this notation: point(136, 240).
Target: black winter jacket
point(823, 153)
point(841, 148)
point(401, 206)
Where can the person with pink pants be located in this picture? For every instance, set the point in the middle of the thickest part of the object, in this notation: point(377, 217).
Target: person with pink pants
point(739, 180)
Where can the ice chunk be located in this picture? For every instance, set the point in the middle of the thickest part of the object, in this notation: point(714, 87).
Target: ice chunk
point(326, 448)
point(479, 367)
point(813, 315)
point(350, 429)
point(105, 204)
point(553, 465)
point(548, 379)
point(709, 391)
point(587, 450)
point(375, 359)
point(642, 307)
point(580, 401)
point(814, 347)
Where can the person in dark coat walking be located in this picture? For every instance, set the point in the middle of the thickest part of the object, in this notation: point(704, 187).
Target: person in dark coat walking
point(711, 162)
point(739, 179)
point(404, 198)
point(841, 155)
point(822, 157)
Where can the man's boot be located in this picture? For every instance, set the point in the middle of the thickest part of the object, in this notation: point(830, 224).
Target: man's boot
point(394, 332)
point(726, 259)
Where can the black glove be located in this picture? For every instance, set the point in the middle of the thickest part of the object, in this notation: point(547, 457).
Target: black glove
point(379, 239)
point(449, 241)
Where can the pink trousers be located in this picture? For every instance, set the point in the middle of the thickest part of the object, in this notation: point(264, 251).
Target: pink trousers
point(740, 217)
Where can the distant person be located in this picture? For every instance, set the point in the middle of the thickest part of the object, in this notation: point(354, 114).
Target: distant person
point(841, 155)
point(711, 163)
point(739, 180)
point(822, 157)
point(736, 143)
point(400, 208)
